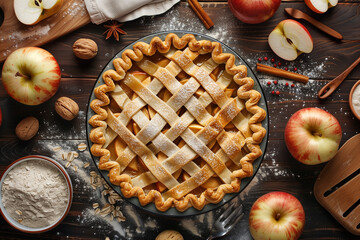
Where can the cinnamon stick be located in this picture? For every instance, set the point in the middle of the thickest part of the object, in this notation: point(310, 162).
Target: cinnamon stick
point(200, 12)
point(282, 73)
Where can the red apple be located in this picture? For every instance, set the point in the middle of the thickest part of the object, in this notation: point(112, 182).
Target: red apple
point(289, 39)
point(31, 75)
point(321, 6)
point(276, 216)
point(312, 136)
point(254, 11)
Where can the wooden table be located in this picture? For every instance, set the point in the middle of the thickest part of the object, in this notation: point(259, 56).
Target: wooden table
point(278, 172)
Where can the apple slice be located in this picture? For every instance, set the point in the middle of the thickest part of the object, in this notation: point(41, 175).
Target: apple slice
point(30, 12)
point(176, 174)
point(133, 165)
point(333, 3)
point(120, 145)
point(160, 187)
point(185, 176)
point(289, 39)
point(321, 6)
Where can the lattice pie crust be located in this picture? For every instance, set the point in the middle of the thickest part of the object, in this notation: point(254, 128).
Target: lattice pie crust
point(177, 123)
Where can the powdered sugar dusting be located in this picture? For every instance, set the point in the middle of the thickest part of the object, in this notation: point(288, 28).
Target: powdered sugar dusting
point(30, 32)
point(304, 65)
point(75, 9)
point(174, 21)
point(17, 37)
point(142, 226)
point(60, 133)
point(190, 224)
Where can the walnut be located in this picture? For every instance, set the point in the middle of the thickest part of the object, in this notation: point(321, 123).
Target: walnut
point(85, 48)
point(169, 234)
point(67, 108)
point(27, 128)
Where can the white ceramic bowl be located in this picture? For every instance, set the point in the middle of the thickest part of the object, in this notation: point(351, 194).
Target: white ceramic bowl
point(15, 223)
point(350, 99)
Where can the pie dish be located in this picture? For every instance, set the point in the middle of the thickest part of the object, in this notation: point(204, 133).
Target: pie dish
point(176, 123)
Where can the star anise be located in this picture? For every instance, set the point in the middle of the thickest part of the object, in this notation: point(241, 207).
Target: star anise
point(114, 29)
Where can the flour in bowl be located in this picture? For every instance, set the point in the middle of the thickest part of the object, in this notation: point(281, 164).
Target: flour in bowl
point(35, 193)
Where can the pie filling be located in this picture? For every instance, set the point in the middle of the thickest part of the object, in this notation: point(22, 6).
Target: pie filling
point(177, 123)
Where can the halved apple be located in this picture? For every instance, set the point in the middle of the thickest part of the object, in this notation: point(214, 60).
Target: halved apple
point(321, 6)
point(30, 12)
point(289, 39)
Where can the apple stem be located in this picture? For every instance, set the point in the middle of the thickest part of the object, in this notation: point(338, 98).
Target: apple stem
point(277, 217)
point(19, 74)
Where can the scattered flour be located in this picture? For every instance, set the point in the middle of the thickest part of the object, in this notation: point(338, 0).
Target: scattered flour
point(174, 21)
point(61, 131)
point(135, 226)
point(191, 225)
point(75, 9)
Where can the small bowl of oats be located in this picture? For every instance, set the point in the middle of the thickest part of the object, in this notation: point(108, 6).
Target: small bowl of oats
point(36, 194)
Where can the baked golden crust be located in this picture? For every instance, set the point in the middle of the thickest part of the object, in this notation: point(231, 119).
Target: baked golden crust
point(239, 148)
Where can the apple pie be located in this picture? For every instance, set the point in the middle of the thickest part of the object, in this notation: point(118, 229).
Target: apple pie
point(176, 123)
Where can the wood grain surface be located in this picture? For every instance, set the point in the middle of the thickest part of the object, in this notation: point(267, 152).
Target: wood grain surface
point(14, 34)
point(278, 172)
point(336, 188)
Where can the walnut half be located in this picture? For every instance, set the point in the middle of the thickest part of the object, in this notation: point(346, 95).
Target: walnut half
point(85, 48)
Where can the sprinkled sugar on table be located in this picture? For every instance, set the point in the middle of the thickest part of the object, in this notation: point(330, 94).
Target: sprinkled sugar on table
point(97, 212)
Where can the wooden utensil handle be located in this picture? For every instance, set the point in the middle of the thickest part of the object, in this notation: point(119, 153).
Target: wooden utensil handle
point(9, 14)
point(330, 87)
point(336, 187)
point(323, 27)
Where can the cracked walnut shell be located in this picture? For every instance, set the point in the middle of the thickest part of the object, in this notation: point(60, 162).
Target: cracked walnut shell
point(67, 108)
point(85, 48)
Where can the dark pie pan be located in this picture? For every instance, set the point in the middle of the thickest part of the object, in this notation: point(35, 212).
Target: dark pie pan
point(172, 212)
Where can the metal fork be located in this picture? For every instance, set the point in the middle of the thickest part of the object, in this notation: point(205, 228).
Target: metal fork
point(226, 221)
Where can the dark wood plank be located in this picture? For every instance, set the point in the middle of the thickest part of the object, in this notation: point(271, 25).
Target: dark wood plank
point(79, 89)
point(227, 29)
point(278, 172)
